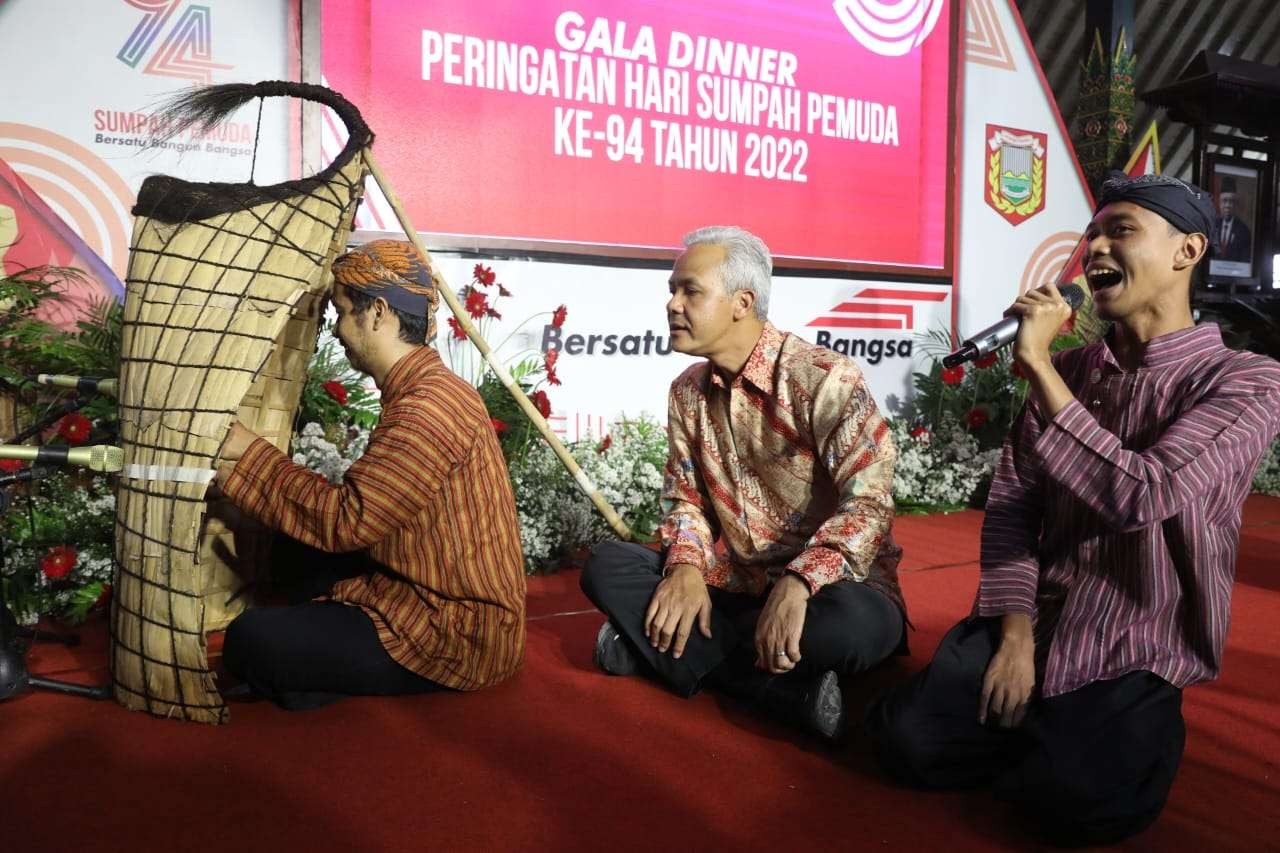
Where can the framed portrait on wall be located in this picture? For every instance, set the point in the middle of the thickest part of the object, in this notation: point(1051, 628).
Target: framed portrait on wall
point(1236, 185)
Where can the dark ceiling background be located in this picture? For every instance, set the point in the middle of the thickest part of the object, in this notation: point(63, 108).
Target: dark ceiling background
point(1169, 34)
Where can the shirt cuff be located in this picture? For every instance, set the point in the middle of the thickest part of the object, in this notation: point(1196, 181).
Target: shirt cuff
point(1007, 590)
point(252, 474)
point(684, 552)
point(818, 567)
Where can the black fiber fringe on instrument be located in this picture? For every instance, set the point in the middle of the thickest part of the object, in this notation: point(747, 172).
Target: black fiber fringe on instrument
point(173, 200)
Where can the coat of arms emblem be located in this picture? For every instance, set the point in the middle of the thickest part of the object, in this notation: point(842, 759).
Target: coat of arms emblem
point(1015, 172)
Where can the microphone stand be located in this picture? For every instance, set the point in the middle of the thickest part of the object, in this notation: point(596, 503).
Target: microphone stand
point(14, 677)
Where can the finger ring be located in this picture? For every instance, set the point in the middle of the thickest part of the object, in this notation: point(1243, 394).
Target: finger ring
point(782, 654)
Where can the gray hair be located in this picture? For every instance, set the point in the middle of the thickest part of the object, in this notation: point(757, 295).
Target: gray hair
point(746, 265)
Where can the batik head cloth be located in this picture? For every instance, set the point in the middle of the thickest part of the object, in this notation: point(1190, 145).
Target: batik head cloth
point(1185, 206)
point(394, 270)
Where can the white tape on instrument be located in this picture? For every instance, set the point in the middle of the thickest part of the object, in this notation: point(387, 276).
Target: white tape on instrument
point(168, 474)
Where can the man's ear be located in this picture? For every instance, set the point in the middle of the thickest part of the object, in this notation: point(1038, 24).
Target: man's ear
point(744, 304)
point(1190, 251)
point(380, 310)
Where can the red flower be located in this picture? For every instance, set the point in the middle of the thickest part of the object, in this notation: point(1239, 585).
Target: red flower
point(12, 466)
point(557, 318)
point(921, 432)
point(336, 390)
point(104, 597)
point(605, 445)
point(541, 402)
point(552, 356)
point(74, 428)
point(977, 418)
point(953, 375)
point(59, 562)
point(483, 275)
point(477, 304)
point(498, 426)
point(1016, 370)
point(489, 312)
point(986, 360)
point(458, 333)
point(502, 291)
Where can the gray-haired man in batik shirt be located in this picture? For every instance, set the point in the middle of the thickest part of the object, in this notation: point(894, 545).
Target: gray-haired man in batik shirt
point(1109, 544)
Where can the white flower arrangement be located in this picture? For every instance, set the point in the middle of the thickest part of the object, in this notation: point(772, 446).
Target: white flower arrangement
point(313, 449)
point(72, 513)
point(938, 471)
point(557, 519)
point(1267, 477)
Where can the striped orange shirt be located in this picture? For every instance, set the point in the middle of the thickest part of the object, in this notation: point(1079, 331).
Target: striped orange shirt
point(431, 501)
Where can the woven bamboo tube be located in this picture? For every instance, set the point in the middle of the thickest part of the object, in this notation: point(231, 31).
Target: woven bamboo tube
point(221, 313)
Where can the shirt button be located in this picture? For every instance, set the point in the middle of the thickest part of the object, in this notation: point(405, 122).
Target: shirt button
point(1096, 403)
point(1095, 375)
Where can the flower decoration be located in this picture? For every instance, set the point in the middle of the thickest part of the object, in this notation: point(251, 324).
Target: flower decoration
point(920, 432)
point(541, 402)
point(59, 562)
point(483, 275)
point(74, 428)
point(986, 361)
point(605, 444)
point(549, 361)
point(976, 418)
point(12, 466)
point(477, 304)
point(498, 425)
point(458, 333)
point(953, 375)
point(336, 390)
point(558, 316)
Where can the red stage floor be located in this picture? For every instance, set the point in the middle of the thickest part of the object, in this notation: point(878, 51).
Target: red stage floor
point(563, 758)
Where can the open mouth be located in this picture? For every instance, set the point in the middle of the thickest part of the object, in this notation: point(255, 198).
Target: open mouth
point(1101, 278)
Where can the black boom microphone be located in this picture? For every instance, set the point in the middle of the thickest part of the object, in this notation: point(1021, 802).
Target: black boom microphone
point(1003, 333)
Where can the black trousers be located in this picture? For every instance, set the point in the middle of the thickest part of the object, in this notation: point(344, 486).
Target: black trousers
point(848, 626)
point(310, 654)
point(1091, 766)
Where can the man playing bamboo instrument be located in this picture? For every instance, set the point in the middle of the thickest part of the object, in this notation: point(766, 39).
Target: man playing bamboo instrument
point(778, 450)
point(422, 531)
point(1109, 545)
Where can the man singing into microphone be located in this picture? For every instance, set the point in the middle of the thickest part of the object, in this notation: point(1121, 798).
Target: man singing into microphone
point(1109, 545)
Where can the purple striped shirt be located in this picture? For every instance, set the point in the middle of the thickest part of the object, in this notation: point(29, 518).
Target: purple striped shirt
point(1114, 525)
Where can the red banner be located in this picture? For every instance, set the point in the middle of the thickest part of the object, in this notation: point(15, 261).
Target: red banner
point(822, 127)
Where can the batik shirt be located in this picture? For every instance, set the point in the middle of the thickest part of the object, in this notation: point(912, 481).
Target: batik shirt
point(789, 464)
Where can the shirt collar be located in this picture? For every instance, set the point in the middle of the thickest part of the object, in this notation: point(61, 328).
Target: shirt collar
point(400, 375)
point(761, 364)
point(1173, 347)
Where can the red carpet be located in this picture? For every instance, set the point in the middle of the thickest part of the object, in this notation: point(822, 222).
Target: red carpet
point(563, 758)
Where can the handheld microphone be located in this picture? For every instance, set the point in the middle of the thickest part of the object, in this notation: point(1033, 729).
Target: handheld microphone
point(1003, 333)
point(101, 457)
point(84, 384)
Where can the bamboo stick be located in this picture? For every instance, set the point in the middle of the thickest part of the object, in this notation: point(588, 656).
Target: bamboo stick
point(580, 477)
